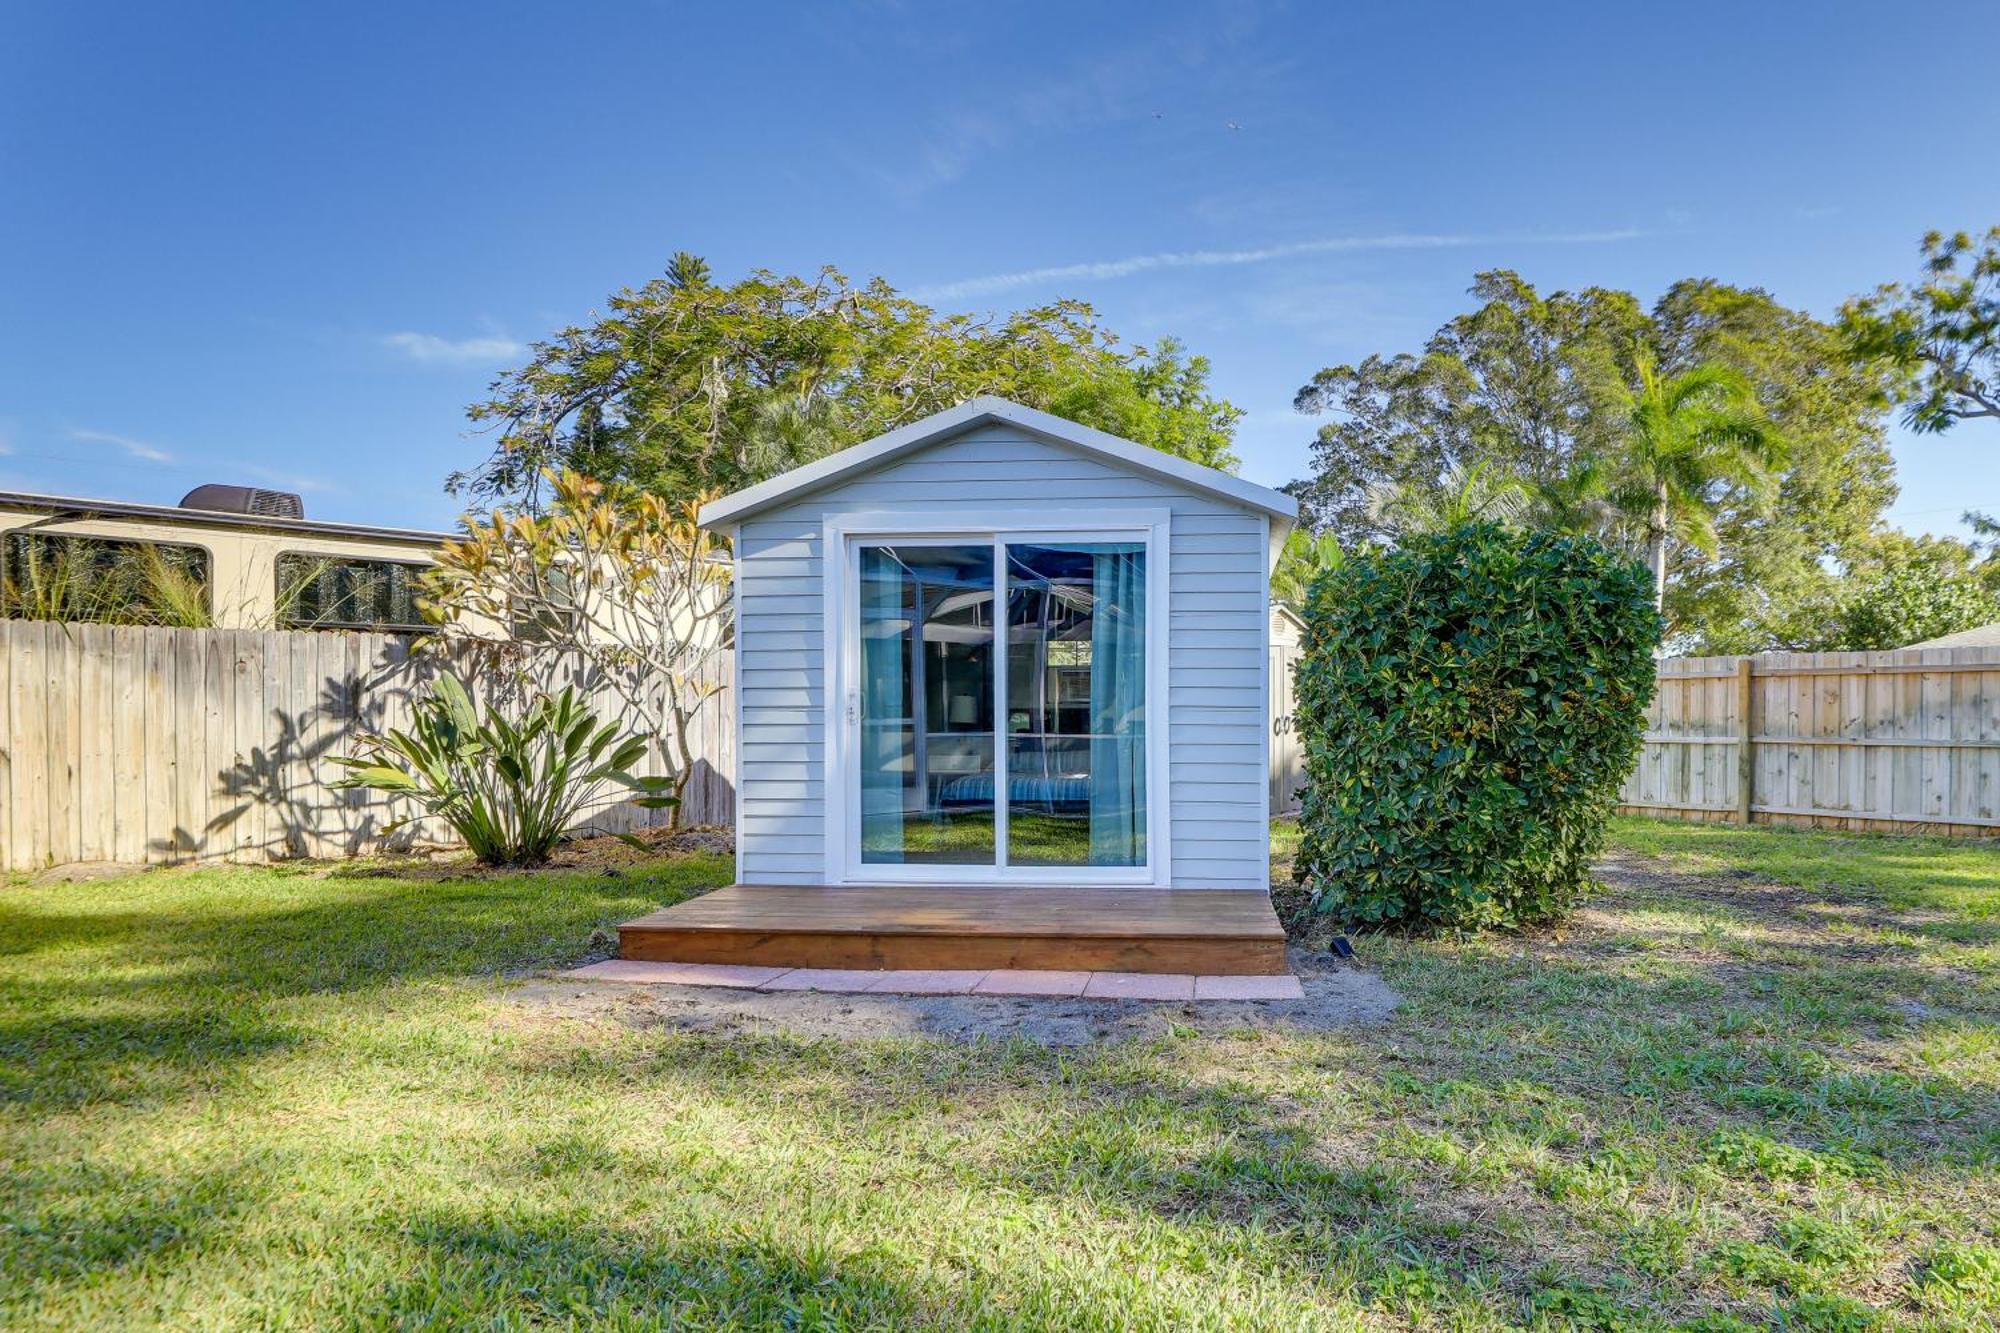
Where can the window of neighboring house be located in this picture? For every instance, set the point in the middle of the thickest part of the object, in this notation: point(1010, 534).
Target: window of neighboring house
point(115, 580)
point(331, 592)
point(548, 621)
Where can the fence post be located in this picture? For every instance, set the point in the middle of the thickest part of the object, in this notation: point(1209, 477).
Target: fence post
point(1746, 768)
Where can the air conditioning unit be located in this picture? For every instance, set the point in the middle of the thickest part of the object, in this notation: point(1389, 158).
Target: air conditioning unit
point(245, 500)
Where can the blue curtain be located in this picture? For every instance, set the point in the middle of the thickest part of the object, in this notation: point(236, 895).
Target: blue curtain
point(883, 746)
point(1118, 706)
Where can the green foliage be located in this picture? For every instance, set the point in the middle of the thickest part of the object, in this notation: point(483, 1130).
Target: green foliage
point(1521, 382)
point(1306, 556)
point(1897, 590)
point(1468, 703)
point(1475, 494)
point(510, 789)
point(1943, 333)
point(1904, 606)
point(1688, 438)
point(688, 386)
point(1538, 389)
point(50, 576)
point(1963, 1275)
point(1746, 1153)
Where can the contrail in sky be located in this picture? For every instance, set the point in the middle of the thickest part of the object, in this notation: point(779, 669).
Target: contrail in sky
point(1131, 264)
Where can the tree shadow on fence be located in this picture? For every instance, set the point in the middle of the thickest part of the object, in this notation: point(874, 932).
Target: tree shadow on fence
point(276, 801)
point(277, 795)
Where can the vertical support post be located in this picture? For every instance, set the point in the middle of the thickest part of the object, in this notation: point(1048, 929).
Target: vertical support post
point(1746, 767)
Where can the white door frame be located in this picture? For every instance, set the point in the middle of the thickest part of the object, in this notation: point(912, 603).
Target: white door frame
point(842, 538)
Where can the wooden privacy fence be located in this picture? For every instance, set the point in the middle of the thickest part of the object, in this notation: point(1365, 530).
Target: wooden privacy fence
point(1906, 741)
point(123, 743)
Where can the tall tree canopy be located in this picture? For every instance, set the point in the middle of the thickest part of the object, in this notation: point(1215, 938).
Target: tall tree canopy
point(1538, 389)
point(689, 386)
point(1943, 331)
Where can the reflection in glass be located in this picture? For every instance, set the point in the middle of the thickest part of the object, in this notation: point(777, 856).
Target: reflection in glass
point(1076, 704)
point(926, 705)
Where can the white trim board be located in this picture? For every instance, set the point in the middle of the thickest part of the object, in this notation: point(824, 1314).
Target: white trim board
point(789, 486)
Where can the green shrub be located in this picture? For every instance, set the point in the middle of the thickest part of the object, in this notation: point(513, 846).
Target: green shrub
point(510, 789)
point(1469, 703)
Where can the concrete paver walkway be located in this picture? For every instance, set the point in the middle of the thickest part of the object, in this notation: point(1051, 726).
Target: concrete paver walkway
point(1168, 986)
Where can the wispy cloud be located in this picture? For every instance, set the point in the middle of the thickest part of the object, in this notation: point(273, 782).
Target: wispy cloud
point(430, 349)
point(134, 448)
point(1180, 71)
point(291, 481)
point(1103, 269)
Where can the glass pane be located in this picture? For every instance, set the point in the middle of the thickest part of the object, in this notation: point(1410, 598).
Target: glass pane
point(1076, 704)
point(317, 591)
point(927, 705)
point(50, 576)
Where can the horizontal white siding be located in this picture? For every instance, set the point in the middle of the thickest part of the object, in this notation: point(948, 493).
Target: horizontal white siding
point(1216, 630)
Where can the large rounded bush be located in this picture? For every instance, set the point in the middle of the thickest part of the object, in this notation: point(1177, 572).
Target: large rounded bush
point(1469, 703)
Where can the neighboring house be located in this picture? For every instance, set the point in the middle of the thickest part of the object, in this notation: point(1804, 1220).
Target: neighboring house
point(1288, 629)
point(999, 648)
point(244, 558)
point(1979, 636)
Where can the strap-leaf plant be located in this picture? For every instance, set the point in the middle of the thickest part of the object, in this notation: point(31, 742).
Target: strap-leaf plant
point(511, 789)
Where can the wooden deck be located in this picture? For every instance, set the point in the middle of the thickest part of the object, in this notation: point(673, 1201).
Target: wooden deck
point(1206, 932)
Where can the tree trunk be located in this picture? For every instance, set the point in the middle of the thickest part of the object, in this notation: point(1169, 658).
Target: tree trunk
point(1657, 552)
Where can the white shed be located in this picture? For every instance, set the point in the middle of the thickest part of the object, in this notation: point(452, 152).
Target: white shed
point(998, 648)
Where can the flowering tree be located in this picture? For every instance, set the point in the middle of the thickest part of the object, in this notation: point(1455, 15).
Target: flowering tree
point(628, 582)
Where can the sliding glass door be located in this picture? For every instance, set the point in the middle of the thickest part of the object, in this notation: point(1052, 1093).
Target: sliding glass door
point(927, 670)
point(998, 717)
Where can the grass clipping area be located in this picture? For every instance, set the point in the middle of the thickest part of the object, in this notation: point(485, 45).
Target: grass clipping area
point(1753, 1084)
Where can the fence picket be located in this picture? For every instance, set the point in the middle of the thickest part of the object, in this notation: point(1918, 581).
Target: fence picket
point(1904, 740)
point(139, 744)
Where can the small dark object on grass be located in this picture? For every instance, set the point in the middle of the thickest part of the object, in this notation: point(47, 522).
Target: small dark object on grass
point(1341, 947)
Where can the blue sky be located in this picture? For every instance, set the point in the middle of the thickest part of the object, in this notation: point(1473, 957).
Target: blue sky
point(286, 244)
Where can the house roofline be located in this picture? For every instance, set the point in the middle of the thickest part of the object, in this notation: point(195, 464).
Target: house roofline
point(974, 412)
point(78, 507)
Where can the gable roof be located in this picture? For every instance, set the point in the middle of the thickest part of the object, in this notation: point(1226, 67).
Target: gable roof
point(1980, 636)
point(934, 429)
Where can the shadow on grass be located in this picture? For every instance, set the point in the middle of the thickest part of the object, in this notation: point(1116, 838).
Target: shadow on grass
point(79, 1221)
point(164, 983)
point(512, 1267)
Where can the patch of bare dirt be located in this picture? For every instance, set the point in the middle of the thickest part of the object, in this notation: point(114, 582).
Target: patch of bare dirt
point(1336, 996)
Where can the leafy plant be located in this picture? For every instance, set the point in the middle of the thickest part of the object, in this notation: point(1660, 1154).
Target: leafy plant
point(1943, 333)
point(1539, 388)
point(689, 384)
point(630, 583)
point(510, 789)
point(1305, 557)
point(1469, 703)
point(54, 576)
point(1690, 438)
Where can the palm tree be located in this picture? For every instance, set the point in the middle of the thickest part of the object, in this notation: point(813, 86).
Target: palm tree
point(1688, 439)
point(1577, 500)
point(1306, 556)
point(1473, 494)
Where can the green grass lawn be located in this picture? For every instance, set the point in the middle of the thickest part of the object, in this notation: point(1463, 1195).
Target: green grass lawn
point(1757, 1081)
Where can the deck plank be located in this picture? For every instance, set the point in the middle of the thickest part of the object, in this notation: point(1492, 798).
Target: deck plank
point(1206, 931)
